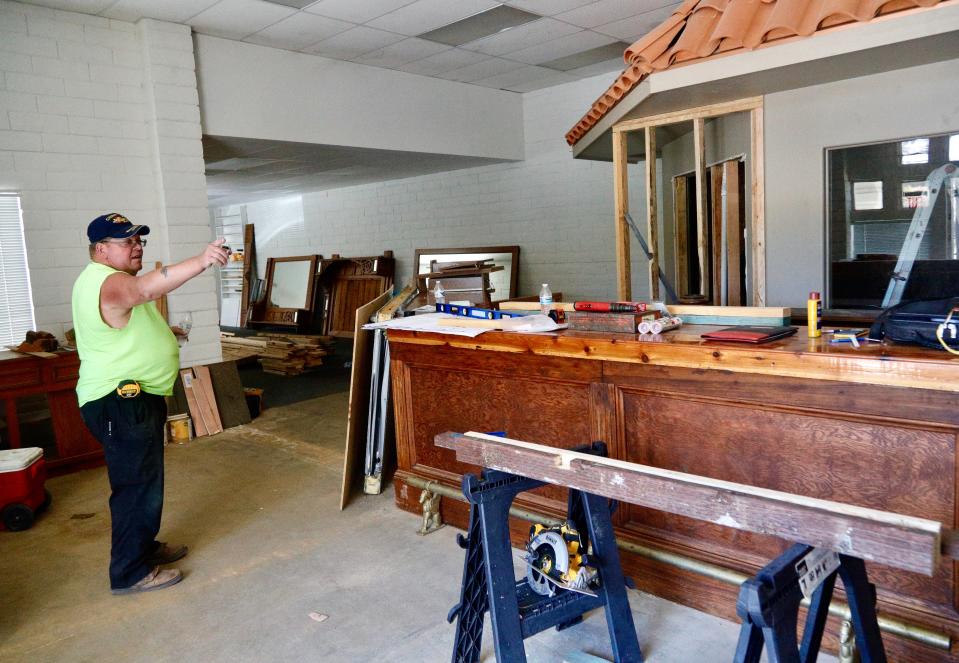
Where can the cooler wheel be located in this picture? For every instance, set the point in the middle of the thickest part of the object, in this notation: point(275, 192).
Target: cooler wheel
point(17, 517)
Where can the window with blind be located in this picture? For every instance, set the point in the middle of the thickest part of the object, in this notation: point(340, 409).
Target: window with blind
point(16, 302)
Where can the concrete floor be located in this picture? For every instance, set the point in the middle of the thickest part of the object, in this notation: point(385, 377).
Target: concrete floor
point(275, 572)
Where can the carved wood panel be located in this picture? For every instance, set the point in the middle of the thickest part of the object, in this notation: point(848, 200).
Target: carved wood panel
point(910, 470)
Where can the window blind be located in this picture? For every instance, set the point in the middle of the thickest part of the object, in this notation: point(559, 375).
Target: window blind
point(16, 302)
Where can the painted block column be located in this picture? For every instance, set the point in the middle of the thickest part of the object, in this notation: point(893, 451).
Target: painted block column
point(172, 111)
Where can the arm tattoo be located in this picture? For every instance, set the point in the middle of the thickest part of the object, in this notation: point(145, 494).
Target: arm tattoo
point(165, 271)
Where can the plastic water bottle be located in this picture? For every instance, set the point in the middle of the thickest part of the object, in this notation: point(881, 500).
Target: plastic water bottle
point(545, 299)
point(438, 295)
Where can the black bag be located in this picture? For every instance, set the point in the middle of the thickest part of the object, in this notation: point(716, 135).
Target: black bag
point(916, 323)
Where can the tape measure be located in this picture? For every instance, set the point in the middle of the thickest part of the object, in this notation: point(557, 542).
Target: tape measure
point(128, 389)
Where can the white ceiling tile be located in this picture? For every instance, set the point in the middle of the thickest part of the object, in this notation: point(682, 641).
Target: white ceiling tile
point(79, 6)
point(548, 7)
point(401, 53)
point(351, 43)
point(522, 36)
point(235, 19)
point(425, 15)
point(632, 28)
point(441, 62)
point(354, 10)
point(175, 11)
point(540, 83)
point(298, 31)
point(607, 11)
point(483, 69)
point(612, 67)
point(521, 76)
point(559, 48)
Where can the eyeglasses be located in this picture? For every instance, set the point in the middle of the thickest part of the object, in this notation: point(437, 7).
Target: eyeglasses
point(129, 242)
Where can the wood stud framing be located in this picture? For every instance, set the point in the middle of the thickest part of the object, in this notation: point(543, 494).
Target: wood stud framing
point(621, 201)
point(698, 116)
point(652, 220)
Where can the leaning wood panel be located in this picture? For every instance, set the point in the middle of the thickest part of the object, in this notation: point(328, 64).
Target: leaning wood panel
point(699, 151)
point(716, 220)
point(734, 212)
point(621, 202)
point(900, 541)
point(652, 213)
point(681, 216)
point(358, 407)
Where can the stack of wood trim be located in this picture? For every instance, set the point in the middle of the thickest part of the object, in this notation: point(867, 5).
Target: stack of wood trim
point(241, 348)
point(286, 354)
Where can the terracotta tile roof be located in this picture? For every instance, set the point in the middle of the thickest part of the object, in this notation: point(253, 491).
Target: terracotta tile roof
point(701, 29)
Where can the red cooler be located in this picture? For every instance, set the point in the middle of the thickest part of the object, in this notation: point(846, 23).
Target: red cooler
point(22, 495)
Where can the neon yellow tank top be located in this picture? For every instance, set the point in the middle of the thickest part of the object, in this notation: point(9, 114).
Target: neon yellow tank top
point(145, 350)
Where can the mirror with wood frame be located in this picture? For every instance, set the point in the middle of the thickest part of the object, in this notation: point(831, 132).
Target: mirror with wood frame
point(503, 282)
point(289, 292)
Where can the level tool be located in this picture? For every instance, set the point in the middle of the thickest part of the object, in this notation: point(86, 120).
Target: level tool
point(474, 312)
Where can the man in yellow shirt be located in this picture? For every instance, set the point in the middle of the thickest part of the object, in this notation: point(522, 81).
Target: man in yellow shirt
point(129, 359)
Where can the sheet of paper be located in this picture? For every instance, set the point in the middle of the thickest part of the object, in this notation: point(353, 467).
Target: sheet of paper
point(445, 323)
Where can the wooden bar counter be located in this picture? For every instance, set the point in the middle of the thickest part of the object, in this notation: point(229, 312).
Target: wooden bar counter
point(874, 426)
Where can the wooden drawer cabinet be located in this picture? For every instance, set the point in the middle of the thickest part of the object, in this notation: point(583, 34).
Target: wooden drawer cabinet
point(38, 408)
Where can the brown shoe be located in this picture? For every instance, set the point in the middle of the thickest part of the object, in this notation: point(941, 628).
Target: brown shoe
point(166, 554)
point(157, 578)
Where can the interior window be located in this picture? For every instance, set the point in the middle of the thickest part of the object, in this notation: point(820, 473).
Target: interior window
point(16, 301)
point(892, 222)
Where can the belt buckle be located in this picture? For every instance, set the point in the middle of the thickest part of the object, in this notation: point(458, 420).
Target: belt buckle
point(128, 389)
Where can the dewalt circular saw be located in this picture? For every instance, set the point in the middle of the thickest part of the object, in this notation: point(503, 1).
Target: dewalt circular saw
point(556, 559)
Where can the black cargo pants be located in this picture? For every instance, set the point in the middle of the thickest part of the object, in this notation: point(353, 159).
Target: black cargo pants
point(131, 433)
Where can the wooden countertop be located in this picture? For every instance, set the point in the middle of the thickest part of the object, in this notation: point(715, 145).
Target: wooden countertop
point(795, 356)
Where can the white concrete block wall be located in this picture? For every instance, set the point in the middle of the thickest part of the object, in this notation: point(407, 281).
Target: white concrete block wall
point(80, 136)
point(559, 210)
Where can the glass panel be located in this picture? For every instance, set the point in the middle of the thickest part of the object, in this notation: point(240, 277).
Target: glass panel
point(290, 282)
point(867, 195)
point(912, 233)
point(915, 151)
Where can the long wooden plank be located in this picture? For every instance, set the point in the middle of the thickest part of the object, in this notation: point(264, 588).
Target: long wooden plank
point(699, 150)
point(249, 271)
point(896, 540)
point(358, 408)
point(757, 231)
point(203, 390)
point(674, 117)
point(621, 203)
point(652, 218)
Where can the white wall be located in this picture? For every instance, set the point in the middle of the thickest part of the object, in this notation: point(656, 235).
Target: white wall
point(97, 116)
point(253, 91)
point(559, 210)
point(801, 124)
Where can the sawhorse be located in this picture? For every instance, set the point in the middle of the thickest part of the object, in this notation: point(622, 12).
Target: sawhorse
point(769, 607)
point(516, 611)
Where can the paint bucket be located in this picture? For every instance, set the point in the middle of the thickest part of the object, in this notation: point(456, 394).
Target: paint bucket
point(179, 428)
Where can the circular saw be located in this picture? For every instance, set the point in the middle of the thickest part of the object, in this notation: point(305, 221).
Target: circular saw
point(556, 560)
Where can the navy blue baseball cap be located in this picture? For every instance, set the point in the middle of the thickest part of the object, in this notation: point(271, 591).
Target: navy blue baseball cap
point(113, 225)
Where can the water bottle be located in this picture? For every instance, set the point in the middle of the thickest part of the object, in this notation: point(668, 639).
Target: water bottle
point(438, 295)
point(545, 299)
